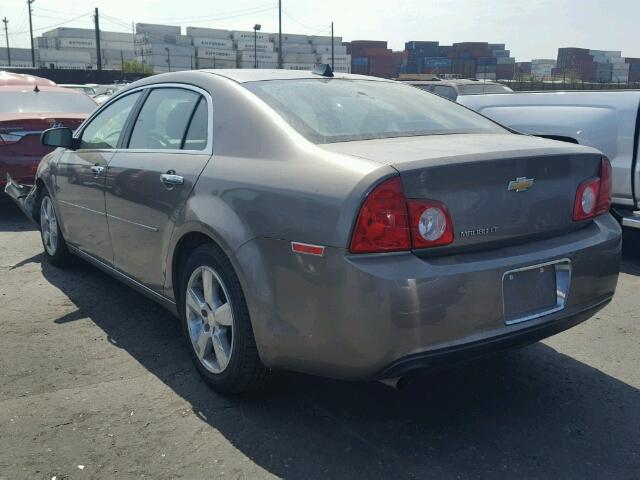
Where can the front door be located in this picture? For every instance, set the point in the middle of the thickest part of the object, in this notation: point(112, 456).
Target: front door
point(150, 179)
point(80, 180)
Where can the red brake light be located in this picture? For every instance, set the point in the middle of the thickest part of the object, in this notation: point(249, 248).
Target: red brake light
point(604, 198)
point(431, 224)
point(593, 197)
point(382, 224)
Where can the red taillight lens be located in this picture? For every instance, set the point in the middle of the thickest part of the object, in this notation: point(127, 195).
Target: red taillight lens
point(431, 224)
point(593, 197)
point(604, 198)
point(382, 224)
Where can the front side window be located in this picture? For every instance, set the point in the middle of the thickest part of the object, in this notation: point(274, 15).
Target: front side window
point(105, 128)
point(164, 119)
point(341, 110)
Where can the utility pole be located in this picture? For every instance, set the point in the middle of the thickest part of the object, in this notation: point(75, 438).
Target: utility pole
point(331, 45)
point(6, 33)
point(280, 34)
point(33, 53)
point(96, 18)
point(168, 57)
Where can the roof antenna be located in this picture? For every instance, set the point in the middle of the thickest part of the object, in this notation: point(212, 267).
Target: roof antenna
point(36, 89)
point(323, 69)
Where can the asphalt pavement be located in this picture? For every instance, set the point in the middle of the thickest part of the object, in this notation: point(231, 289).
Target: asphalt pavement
point(96, 382)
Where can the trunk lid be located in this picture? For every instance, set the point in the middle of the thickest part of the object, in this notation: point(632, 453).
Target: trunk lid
point(20, 132)
point(498, 188)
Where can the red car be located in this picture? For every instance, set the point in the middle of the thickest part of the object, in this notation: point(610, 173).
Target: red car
point(28, 106)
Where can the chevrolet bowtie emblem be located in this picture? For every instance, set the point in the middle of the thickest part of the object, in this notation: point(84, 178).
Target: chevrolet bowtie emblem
point(520, 184)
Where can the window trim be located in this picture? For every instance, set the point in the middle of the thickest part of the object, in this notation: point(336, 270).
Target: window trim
point(128, 126)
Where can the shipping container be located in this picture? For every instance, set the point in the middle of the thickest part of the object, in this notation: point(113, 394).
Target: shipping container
point(157, 29)
point(337, 50)
point(298, 66)
point(216, 43)
point(296, 47)
point(54, 55)
point(77, 42)
point(215, 63)
point(344, 59)
point(436, 62)
point(203, 52)
point(359, 61)
point(263, 57)
point(241, 35)
point(264, 65)
point(507, 61)
point(289, 38)
point(208, 32)
point(323, 40)
point(300, 58)
point(249, 45)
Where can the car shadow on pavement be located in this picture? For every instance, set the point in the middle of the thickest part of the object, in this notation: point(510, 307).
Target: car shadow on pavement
point(529, 413)
point(11, 218)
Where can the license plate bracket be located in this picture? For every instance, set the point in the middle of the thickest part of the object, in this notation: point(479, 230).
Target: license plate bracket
point(534, 291)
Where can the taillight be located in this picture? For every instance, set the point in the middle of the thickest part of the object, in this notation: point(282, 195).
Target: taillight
point(382, 224)
point(9, 138)
point(389, 223)
point(431, 224)
point(604, 198)
point(593, 197)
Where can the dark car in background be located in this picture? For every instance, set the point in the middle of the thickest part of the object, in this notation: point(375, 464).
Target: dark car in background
point(451, 89)
point(28, 106)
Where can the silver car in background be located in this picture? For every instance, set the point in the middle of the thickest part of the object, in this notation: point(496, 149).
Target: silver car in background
point(344, 226)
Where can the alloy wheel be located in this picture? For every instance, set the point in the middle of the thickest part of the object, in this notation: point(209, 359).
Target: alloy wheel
point(49, 226)
point(209, 319)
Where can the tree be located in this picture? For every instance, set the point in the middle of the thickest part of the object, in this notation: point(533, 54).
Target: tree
point(134, 66)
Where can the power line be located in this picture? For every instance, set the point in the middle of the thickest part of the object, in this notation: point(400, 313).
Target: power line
point(220, 16)
point(51, 26)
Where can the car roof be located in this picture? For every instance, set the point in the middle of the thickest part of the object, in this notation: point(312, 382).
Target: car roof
point(10, 78)
point(41, 88)
point(244, 75)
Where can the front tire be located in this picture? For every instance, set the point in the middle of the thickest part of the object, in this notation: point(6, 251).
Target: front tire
point(216, 323)
point(55, 247)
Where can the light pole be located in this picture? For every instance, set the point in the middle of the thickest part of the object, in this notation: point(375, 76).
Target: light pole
point(256, 27)
point(168, 57)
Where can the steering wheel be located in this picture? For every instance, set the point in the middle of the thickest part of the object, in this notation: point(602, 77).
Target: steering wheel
point(156, 137)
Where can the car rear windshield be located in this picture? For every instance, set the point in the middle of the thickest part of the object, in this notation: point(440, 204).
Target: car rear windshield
point(341, 110)
point(34, 102)
point(480, 88)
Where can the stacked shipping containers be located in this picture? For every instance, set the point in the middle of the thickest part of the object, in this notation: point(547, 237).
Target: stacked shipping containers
point(372, 57)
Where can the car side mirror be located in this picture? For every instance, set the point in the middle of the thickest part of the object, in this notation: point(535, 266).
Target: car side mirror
point(58, 137)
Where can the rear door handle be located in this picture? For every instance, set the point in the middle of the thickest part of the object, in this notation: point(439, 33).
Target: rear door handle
point(97, 170)
point(170, 179)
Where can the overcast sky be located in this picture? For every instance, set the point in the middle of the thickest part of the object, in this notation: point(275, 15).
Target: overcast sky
point(530, 28)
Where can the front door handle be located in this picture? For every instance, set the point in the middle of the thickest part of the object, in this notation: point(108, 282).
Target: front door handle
point(97, 170)
point(170, 179)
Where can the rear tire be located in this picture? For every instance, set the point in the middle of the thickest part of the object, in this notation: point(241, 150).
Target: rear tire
point(55, 246)
point(217, 325)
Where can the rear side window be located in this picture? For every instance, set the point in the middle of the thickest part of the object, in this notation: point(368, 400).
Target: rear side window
point(196, 138)
point(164, 119)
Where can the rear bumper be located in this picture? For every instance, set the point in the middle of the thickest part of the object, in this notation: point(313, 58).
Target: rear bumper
point(373, 316)
point(510, 339)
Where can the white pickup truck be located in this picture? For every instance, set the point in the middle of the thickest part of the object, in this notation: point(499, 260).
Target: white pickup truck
point(606, 120)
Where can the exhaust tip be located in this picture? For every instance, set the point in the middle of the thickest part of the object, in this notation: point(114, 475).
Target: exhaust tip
point(397, 383)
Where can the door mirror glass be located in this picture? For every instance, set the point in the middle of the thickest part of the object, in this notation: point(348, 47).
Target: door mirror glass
point(58, 137)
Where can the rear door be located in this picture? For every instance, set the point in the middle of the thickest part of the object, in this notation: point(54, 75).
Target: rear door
point(150, 179)
point(80, 179)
